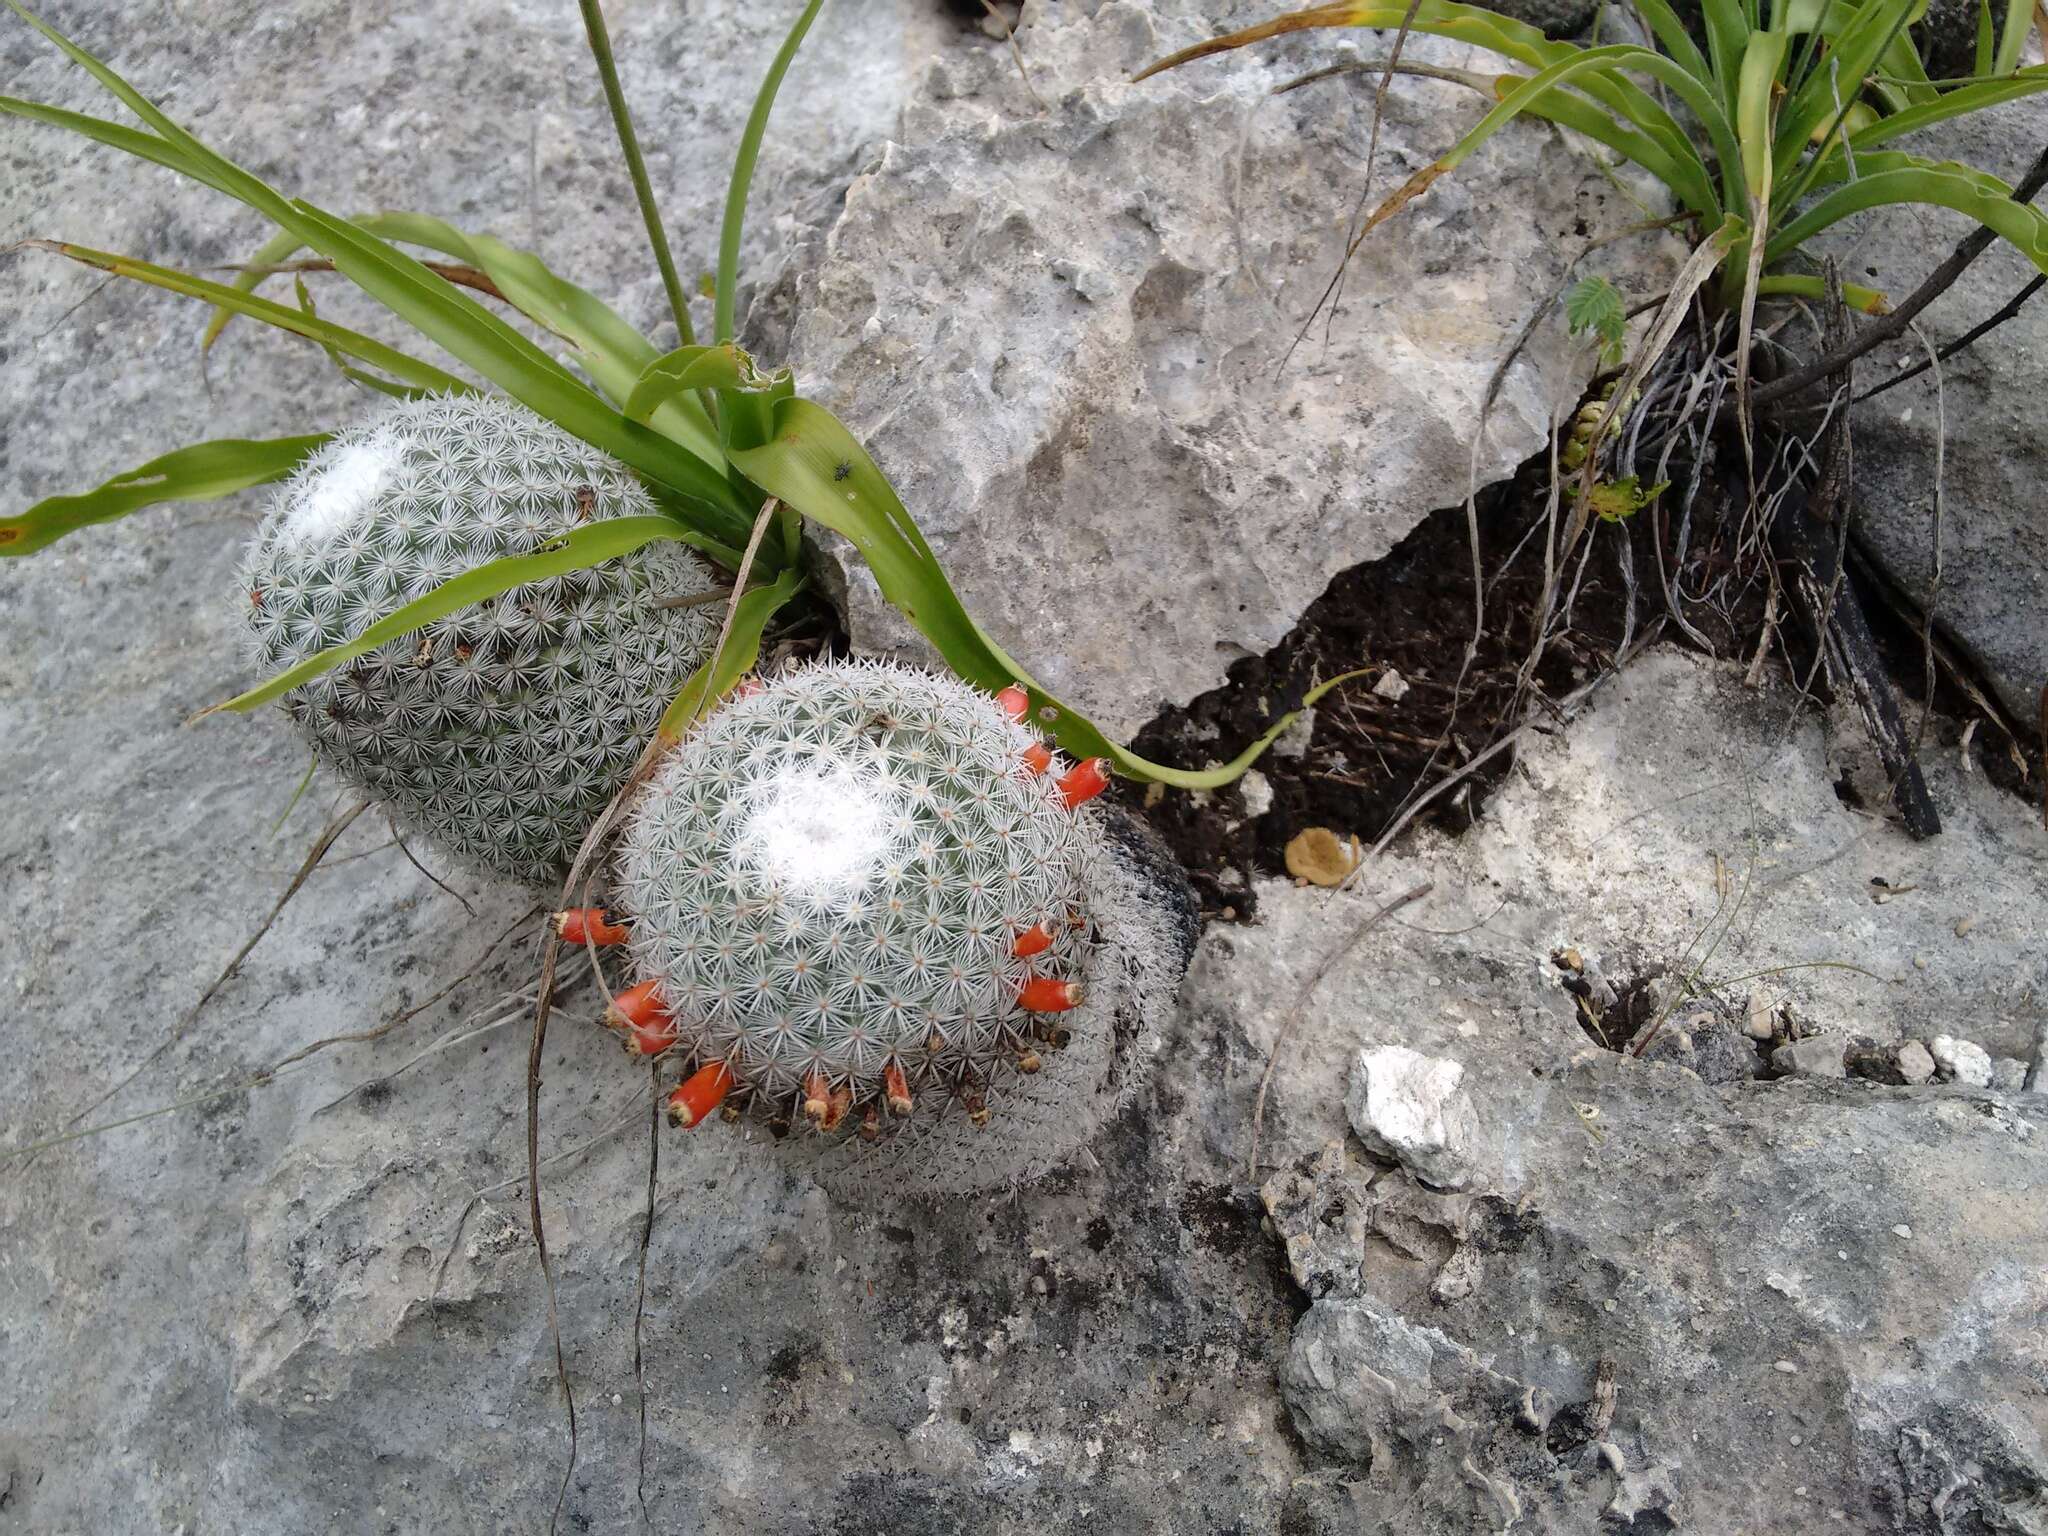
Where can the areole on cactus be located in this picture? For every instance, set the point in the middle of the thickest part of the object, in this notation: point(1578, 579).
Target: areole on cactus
point(501, 732)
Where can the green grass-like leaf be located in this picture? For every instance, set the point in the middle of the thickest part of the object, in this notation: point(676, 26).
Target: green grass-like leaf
point(574, 551)
point(401, 365)
point(742, 649)
point(692, 368)
point(202, 472)
point(1886, 177)
point(733, 224)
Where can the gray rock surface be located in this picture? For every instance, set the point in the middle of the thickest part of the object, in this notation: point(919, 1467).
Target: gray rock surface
point(302, 1297)
point(1815, 1056)
point(1916, 1063)
point(1993, 594)
point(1065, 329)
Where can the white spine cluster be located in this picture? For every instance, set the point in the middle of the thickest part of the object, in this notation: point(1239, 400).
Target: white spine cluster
point(829, 878)
point(501, 731)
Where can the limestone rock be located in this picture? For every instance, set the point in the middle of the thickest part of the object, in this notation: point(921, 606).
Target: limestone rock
point(1961, 1061)
point(1815, 1056)
point(1066, 332)
point(1993, 597)
point(1411, 1108)
point(1916, 1065)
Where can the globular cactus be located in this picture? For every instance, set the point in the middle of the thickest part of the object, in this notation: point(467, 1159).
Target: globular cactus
point(872, 912)
point(501, 731)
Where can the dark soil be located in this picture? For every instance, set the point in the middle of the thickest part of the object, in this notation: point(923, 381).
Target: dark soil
point(1410, 614)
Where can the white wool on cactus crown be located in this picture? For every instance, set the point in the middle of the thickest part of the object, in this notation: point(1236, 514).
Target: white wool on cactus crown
point(339, 486)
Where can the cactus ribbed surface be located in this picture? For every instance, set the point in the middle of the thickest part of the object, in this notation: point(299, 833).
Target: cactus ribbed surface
point(831, 881)
point(501, 731)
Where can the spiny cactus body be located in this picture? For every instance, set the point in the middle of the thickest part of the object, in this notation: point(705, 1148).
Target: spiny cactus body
point(861, 898)
point(501, 731)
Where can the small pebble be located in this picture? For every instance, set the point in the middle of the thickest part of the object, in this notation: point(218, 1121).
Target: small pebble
point(1964, 925)
point(1919, 962)
point(1786, 1367)
point(1902, 1230)
point(1799, 1440)
point(1961, 1061)
point(1915, 1064)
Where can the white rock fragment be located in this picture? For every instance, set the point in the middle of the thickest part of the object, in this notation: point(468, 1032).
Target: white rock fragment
point(1815, 1056)
point(1760, 1018)
point(1413, 1108)
point(1391, 685)
point(1960, 1061)
point(1915, 1065)
point(1257, 790)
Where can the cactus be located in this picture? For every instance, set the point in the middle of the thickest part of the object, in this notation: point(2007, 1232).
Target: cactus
point(502, 731)
point(867, 902)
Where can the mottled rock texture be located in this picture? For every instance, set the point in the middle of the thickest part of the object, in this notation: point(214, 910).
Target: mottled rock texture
point(1982, 426)
point(305, 1300)
point(1067, 328)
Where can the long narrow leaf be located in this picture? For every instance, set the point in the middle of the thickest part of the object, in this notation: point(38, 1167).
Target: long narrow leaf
point(577, 550)
point(1686, 176)
point(130, 141)
point(742, 649)
point(399, 364)
point(1727, 29)
point(2012, 37)
point(1524, 44)
point(492, 347)
point(812, 462)
point(727, 283)
point(1676, 41)
point(1869, 301)
point(692, 368)
point(636, 168)
point(443, 314)
point(1889, 177)
point(202, 472)
point(612, 351)
point(1825, 97)
point(1959, 102)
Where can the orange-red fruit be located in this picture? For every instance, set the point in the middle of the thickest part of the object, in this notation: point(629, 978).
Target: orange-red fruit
point(837, 1103)
point(590, 925)
point(651, 1039)
point(639, 1006)
point(1084, 781)
point(1042, 994)
point(699, 1094)
point(896, 1089)
point(817, 1097)
point(1015, 701)
point(1037, 757)
point(1035, 940)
